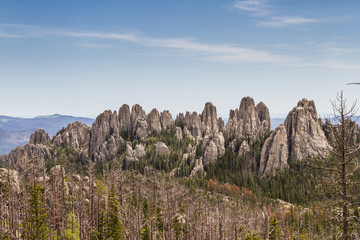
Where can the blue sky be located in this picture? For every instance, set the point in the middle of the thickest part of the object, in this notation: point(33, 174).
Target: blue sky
point(82, 57)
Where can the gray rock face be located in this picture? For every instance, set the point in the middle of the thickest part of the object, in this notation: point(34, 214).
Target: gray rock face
point(244, 148)
point(275, 152)
point(248, 120)
point(139, 124)
point(166, 120)
point(154, 121)
point(264, 118)
point(105, 137)
point(162, 149)
point(305, 135)
point(13, 176)
point(124, 119)
point(139, 152)
point(23, 157)
point(39, 137)
point(76, 135)
point(198, 170)
point(209, 121)
point(105, 125)
point(300, 137)
point(178, 133)
point(205, 129)
point(211, 153)
point(129, 153)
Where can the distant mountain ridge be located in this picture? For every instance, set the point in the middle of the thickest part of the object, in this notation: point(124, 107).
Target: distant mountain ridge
point(15, 131)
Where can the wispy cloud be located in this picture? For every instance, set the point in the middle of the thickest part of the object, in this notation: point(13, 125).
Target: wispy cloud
point(256, 7)
point(287, 21)
point(212, 52)
point(189, 46)
point(265, 17)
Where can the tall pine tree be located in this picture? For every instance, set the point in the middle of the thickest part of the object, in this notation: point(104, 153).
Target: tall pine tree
point(36, 228)
point(114, 229)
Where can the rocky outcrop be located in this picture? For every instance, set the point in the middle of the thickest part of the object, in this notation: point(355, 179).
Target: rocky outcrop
point(198, 170)
point(209, 121)
point(211, 153)
point(105, 125)
point(124, 120)
point(162, 149)
point(76, 135)
point(24, 157)
point(39, 137)
point(154, 121)
point(178, 133)
point(275, 152)
point(166, 120)
point(134, 155)
point(206, 129)
point(248, 121)
point(129, 153)
point(139, 123)
point(139, 152)
point(244, 148)
point(305, 135)
point(300, 137)
point(264, 118)
point(105, 137)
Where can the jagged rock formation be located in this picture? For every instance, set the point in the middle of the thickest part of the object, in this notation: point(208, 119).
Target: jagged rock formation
point(76, 135)
point(244, 148)
point(178, 133)
point(154, 121)
point(166, 120)
point(300, 137)
point(198, 169)
point(206, 129)
point(39, 137)
point(211, 153)
point(124, 119)
point(249, 120)
point(30, 155)
point(139, 123)
point(275, 152)
point(134, 155)
point(162, 149)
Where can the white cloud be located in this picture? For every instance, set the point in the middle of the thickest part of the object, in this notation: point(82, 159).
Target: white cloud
point(212, 52)
point(261, 10)
point(287, 21)
point(256, 7)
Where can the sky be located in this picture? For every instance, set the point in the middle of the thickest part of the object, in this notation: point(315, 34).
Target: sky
point(83, 57)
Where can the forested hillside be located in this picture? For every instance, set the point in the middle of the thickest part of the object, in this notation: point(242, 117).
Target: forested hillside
point(133, 175)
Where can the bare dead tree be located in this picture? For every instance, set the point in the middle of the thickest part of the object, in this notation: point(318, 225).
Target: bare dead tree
point(337, 170)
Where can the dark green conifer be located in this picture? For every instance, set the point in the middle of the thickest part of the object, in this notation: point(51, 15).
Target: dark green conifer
point(114, 227)
point(36, 228)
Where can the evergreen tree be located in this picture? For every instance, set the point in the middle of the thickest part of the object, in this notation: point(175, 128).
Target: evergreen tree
point(159, 223)
point(36, 228)
point(275, 232)
point(145, 230)
point(114, 227)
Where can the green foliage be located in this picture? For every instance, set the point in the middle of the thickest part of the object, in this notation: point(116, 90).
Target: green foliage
point(159, 223)
point(5, 236)
point(145, 230)
point(36, 221)
point(275, 232)
point(177, 226)
point(114, 227)
point(73, 228)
